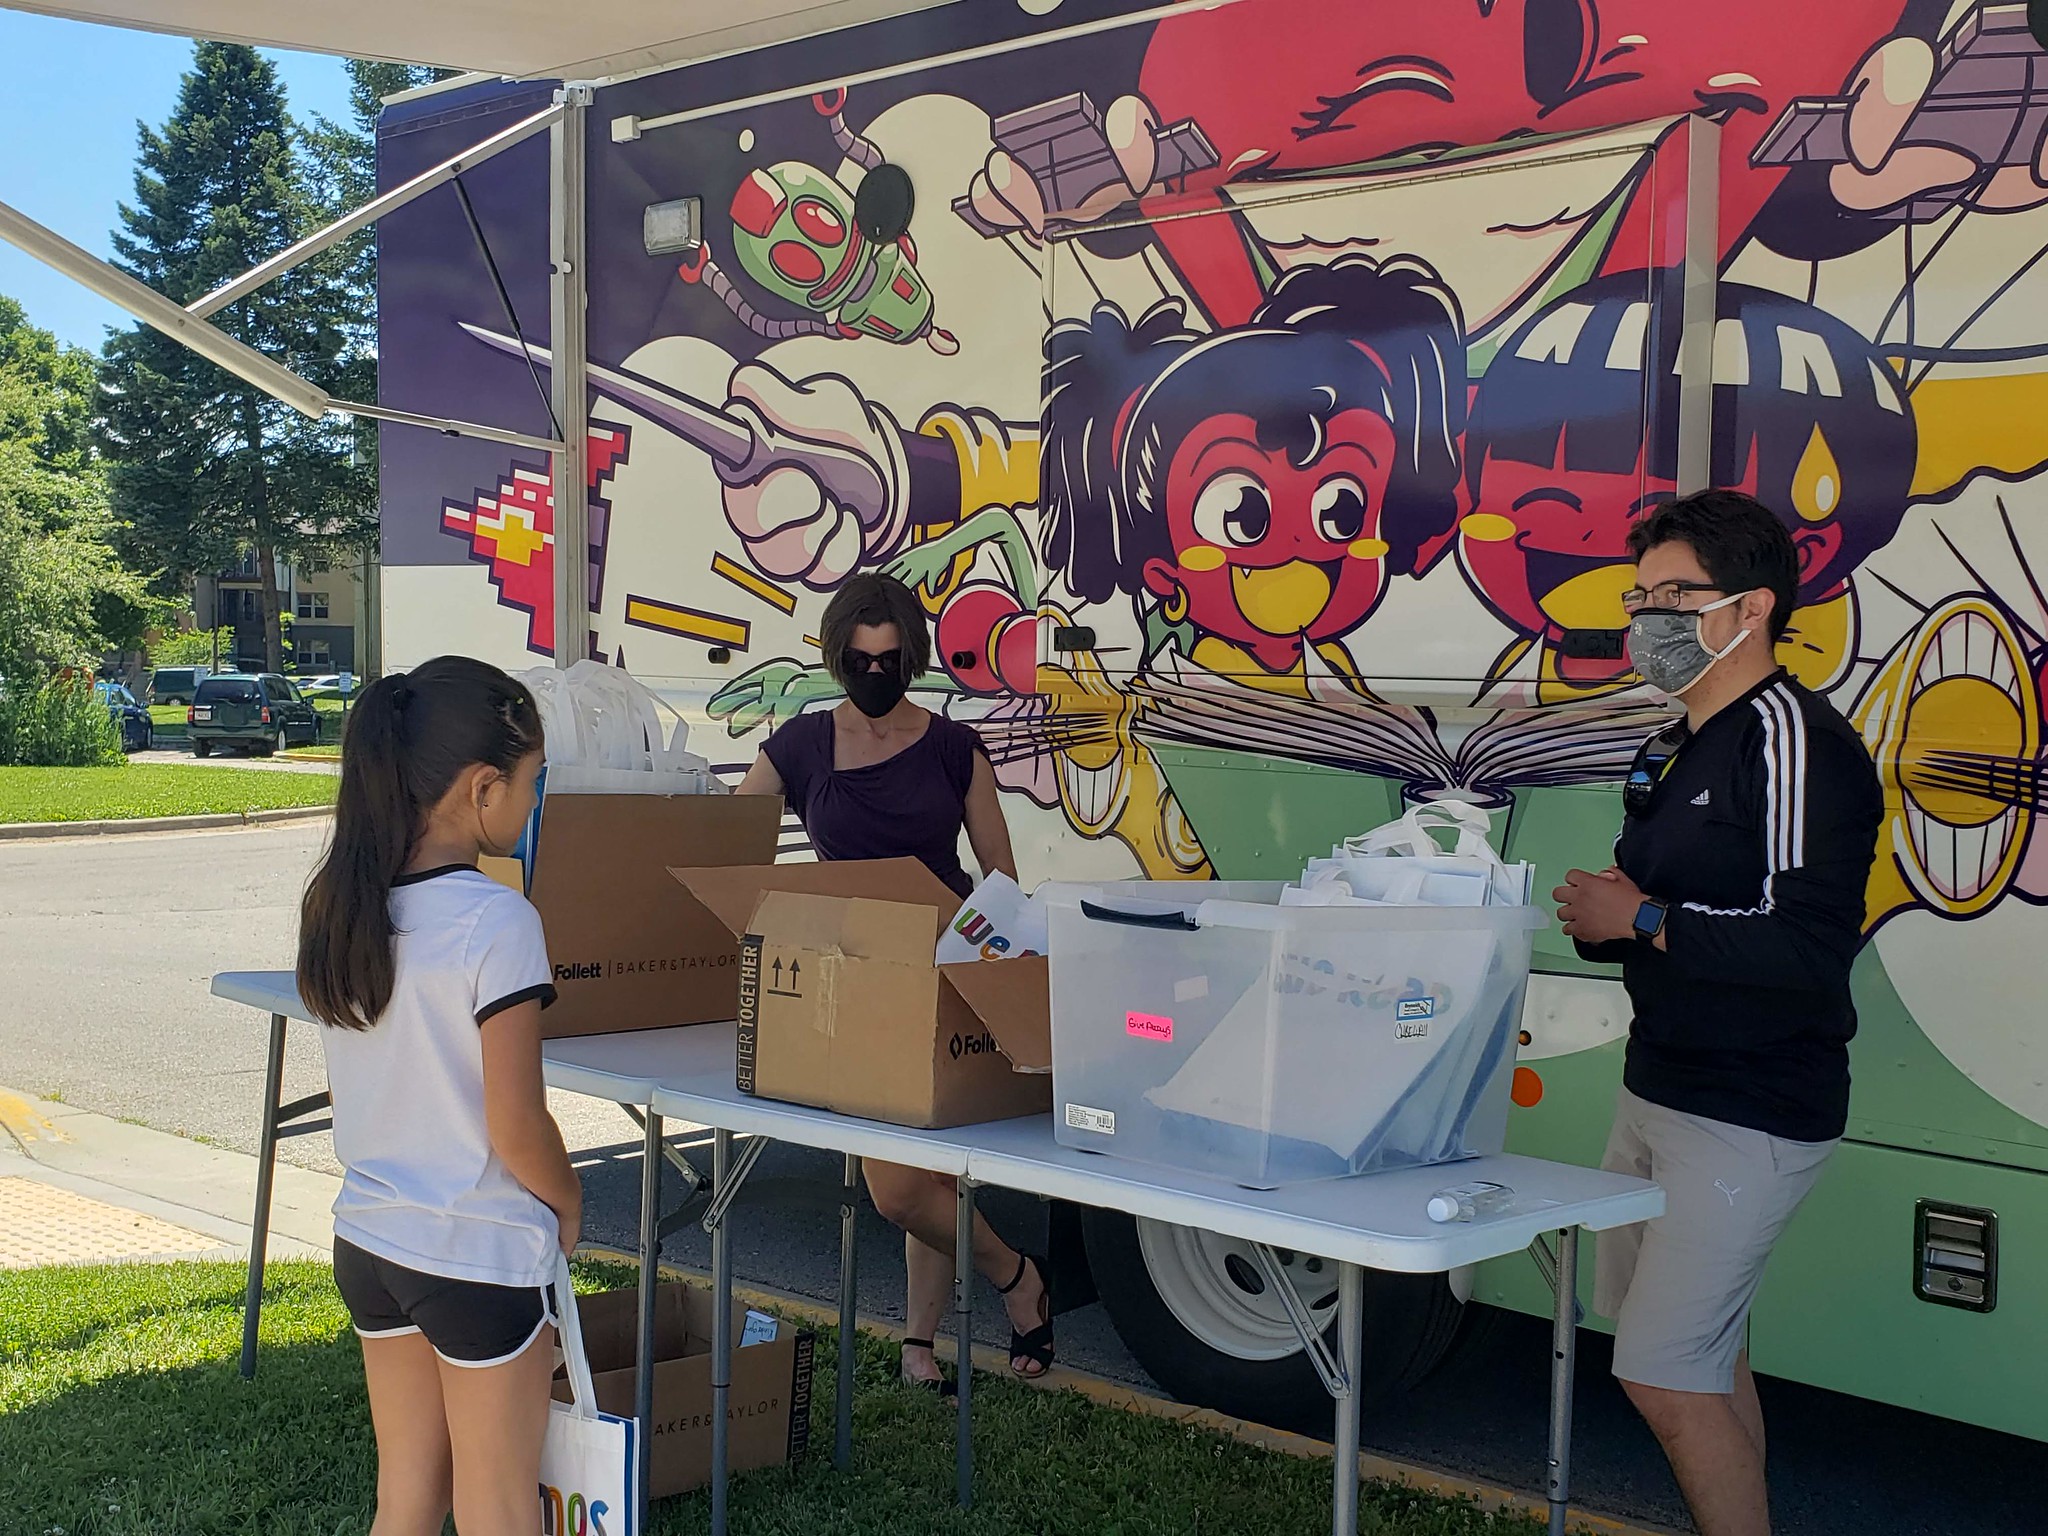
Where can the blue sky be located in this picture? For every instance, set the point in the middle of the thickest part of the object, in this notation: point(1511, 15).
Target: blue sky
point(67, 142)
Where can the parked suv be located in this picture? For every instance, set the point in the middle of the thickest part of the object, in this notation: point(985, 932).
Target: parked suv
point(259, 712)
point(175, 685)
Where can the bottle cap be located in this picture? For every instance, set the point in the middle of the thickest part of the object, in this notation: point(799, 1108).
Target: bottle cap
point(1442, 1208)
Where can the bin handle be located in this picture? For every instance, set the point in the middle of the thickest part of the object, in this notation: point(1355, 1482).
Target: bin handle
point(1179, 922)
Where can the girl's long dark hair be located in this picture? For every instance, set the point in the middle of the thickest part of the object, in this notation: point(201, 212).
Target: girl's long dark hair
point(409, 737)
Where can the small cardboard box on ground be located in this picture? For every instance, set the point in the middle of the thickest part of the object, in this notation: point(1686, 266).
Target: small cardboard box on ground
point(770, 1407)
point(631, 949)
point(842, 1007)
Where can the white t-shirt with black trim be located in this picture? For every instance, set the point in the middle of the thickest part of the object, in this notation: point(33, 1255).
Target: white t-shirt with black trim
point(422, 1186)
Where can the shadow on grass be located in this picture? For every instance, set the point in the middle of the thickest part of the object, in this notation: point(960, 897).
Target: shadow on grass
point(122, 1414)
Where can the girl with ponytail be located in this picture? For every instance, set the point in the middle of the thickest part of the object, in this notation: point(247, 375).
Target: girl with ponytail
point(457, 1192)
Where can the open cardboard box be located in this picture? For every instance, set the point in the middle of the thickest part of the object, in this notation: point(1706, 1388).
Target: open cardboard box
point(841, 1006)
point(769, 1411)
point(630, 949)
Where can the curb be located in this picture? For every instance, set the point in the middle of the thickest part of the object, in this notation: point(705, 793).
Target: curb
point(23, 830)
point(991, 1361)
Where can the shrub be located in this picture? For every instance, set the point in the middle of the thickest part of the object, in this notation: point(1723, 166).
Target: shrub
point(61, 724)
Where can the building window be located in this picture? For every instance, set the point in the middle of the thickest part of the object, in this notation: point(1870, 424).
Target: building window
point(312, 605)
point(314, 653)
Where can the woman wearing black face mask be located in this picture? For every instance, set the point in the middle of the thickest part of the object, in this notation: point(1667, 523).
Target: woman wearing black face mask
point(879, 777)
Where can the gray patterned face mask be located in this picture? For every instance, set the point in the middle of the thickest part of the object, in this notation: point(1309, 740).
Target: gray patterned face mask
point(1665, 649)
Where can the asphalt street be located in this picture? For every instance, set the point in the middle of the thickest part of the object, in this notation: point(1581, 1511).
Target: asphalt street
point(106, 948)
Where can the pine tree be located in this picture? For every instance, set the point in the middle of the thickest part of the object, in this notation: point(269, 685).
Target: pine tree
point(343, 157)
point(203, 467)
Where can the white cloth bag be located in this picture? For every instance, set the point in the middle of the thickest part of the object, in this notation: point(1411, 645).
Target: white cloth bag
point(1403, 864)
point(997, 922)
point(606, 735)
point(589, 1461)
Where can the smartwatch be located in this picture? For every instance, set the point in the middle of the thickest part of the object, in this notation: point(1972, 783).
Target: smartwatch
point(1649, 920)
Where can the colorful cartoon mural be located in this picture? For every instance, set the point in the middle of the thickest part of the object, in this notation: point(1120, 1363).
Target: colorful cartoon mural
point(1276, 462)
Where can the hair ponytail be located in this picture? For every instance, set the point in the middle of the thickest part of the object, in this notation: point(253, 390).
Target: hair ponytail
point(409, 737)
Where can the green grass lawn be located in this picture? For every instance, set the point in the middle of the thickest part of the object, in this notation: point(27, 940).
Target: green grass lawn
point(122, 1414)
point(153, 789)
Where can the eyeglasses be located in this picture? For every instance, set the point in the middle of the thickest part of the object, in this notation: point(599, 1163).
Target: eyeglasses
point(1652, 758)
point(1665, 595)
point(860, 663)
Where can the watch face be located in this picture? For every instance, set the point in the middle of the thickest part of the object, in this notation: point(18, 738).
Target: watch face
point(1650, 919)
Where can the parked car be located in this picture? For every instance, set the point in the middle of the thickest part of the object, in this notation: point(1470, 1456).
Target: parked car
point(174, 685)
point(327, 685)
point(138, 734)
point(260, 713)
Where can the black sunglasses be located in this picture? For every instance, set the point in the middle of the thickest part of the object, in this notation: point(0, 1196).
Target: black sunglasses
point(1652, 758)
point(858, 663)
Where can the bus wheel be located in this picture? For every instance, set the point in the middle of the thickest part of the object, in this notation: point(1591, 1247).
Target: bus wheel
point(1196, 1311)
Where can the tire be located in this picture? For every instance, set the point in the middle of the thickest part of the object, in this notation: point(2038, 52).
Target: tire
point(1216, 1344)
point(261, 748)
point(202, 749)
point(284, 741)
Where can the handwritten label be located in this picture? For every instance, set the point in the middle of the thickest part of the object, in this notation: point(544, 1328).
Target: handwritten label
point(1148, 1026)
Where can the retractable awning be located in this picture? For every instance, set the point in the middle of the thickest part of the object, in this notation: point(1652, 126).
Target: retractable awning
point(578, 40)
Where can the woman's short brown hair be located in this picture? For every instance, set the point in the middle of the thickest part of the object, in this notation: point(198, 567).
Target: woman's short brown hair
point(873, 598)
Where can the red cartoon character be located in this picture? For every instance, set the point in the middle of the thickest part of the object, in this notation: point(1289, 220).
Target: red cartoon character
point(1259, 485)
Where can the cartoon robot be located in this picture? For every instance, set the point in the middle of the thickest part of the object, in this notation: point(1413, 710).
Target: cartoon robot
point(843, 255)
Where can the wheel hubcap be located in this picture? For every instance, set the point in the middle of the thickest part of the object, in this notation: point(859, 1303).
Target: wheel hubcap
point(1218, 1291)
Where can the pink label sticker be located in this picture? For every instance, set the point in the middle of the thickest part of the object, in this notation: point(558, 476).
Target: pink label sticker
point(1148, 1026)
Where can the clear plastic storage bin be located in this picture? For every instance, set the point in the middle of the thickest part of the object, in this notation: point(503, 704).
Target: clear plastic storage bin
point(1205, 1027)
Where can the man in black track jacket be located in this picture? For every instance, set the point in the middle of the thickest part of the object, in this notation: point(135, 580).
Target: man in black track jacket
point(1735, 911)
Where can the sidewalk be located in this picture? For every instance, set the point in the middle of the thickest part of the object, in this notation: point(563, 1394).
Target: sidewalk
point(81, 1188)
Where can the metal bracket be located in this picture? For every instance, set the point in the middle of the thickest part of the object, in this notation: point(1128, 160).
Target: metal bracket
point(1335, 1379)
point(676, 1160)
point(1545, 1258)
point(735, 1177)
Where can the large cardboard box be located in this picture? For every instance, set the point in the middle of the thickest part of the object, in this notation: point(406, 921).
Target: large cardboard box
point(770, 1408)
point(631, 949)
point(841, 1007)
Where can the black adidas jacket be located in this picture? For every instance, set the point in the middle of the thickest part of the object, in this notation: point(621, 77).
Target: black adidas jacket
point(1760, 837)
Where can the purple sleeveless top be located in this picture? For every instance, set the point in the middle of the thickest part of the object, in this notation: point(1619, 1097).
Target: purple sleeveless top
point(911, 806)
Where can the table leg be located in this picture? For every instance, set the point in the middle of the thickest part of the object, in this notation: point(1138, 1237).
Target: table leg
point(721, 1334)
point(849, 1288)
point(650, 1280)
point(963, 1334)
point(259, 1223)
point(1564, 1344)
point(1351, 1361)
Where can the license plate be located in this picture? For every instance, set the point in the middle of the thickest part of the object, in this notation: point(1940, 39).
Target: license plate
point(203, 712)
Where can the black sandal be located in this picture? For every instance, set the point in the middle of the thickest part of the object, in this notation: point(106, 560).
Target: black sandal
point(939, 1387)
point(1035, 1347)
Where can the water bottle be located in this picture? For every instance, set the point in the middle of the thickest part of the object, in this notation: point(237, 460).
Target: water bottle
point(1462, 1202)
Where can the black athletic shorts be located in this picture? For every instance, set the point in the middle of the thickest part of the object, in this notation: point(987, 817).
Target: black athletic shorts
point(467, 1322)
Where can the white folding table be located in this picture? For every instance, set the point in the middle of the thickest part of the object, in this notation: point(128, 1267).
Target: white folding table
point(1368, 1223)
point(1378, 1222)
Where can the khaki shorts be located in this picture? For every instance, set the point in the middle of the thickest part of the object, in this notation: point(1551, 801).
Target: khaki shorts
point(1680, 1287)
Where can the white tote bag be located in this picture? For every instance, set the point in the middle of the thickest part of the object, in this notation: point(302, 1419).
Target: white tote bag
point(1403, 863)
point(590, 1461)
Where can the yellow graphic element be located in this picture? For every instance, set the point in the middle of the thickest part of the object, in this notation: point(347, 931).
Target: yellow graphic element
point(1591, 599)
point(1488, 528)
point(998, 461)
point(1228, 659)
point(1280, 599)
point(515, 539)
point(1817, 481)
point(1367, 549)
point(814, 642)
point(1968, 425)
point(689, 623)
point(1954, 725)
point(1175, 608)
point(1201, 557)
point(747, 581)
point(1110, 785)
point(1820, 641)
